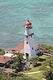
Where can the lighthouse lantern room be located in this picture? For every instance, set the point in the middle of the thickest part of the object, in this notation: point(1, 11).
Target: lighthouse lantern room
point(29, 45)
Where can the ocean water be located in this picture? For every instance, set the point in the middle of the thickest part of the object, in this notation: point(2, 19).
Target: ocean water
point(14, 13)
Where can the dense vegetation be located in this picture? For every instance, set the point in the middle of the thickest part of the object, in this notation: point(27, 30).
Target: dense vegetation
point(8, 77)
point(17, 62)
point(46, 66)
point(47, 48)
point(13, 76)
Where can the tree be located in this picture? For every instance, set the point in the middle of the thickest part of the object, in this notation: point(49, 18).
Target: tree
point(48, 75)
point(6, 76)
point(35, 60)
point(47, 48)
point(18, 62)
point(47, 67)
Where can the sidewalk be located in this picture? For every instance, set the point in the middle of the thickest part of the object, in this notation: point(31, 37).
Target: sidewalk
point(32, 72)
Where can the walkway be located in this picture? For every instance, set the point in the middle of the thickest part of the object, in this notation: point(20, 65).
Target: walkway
point(32, 72)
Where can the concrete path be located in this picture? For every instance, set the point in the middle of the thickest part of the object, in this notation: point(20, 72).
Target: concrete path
point(32, 72)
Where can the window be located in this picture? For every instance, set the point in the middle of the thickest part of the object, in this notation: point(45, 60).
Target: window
point(26, 42)
point(26, 36)
point(27, 54)
point(32, 48)
point(37, 49)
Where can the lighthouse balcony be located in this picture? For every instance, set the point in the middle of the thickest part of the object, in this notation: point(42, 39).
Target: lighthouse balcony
point(29, 27)
point(31, 34)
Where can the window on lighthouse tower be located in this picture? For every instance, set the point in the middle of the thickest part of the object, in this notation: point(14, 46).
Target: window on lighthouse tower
point(26, 36)
point(26, 42)
point(32, 48)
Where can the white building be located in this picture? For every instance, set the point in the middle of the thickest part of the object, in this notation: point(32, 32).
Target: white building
point(9, 53)
point(29, 45)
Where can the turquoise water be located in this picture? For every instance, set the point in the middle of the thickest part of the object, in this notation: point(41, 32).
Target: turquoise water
point(13, 14)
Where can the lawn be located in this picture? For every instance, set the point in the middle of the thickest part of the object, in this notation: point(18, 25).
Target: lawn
point(37, 67)
point(37, 76)
point(43, 57)
point(34, 69)
point(1, 52)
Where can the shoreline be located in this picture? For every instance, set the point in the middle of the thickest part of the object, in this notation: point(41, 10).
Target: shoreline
point(7, 47)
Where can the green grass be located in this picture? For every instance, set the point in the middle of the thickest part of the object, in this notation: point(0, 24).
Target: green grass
point(33, 69)
point(43, 57)
point(1, 52)
point(38, 67)
point(37, 76)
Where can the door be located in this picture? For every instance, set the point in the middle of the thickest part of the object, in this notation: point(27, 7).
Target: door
point(27, 56)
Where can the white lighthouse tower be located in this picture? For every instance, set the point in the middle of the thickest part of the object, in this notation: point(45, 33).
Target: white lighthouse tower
point(29, 45)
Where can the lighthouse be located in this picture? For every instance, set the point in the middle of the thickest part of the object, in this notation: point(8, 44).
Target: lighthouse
point(29, 45)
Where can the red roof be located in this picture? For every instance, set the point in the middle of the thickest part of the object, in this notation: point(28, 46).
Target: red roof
point(28, 23)
point(20, 47)
point(4, 59)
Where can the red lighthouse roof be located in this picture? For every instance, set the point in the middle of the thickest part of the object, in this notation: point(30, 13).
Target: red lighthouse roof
point(28, 24)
